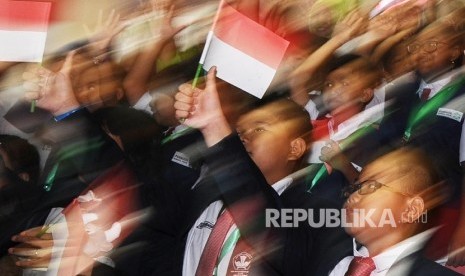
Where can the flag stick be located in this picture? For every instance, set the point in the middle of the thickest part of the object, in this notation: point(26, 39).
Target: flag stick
point(197, 75)
point(207, 44)
point(33, 106)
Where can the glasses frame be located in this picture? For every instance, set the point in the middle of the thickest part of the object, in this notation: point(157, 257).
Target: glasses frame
point(433, 44)
point(369, 187)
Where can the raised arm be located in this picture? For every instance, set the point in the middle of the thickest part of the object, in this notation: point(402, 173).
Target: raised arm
point(306, 71)
point(138, 78)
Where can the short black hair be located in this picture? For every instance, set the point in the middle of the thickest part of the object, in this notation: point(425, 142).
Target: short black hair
point(23, 156)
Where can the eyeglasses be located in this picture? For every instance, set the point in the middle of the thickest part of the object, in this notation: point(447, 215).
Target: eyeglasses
point(427, 46)
point(369, 187)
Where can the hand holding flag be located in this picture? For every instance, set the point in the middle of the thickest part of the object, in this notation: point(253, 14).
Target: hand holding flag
point(51, 91)
point(202, 109)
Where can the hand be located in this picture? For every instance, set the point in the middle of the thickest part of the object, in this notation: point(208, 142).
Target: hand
point(396, 19)
point(32, 252)
point(202, 109)
point(36, 248)
point(351, 26)
point(104, 33)
point(160, 5)
point(456, 254)
point(51, 91)
point(166, 29)
point(332, 154)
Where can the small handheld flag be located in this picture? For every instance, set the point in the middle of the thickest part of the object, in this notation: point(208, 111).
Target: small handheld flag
point(246, 54)
point(23, 30)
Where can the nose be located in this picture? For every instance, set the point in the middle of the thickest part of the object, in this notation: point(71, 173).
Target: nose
point(244, 136)
point(353, 198)
point(334, 90)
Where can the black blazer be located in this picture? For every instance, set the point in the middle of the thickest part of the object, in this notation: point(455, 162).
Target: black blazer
point(417, 265)
point(234, 178)
point(303, 250)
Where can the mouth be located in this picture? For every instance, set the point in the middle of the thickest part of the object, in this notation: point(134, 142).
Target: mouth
point(424, 60)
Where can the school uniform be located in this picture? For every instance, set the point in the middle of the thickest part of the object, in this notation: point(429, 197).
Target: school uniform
point(404, 258)
point(297, 251)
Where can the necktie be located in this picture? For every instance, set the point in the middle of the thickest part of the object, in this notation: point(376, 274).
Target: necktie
point(425, 94)
point(360, 266)
point(214, 244)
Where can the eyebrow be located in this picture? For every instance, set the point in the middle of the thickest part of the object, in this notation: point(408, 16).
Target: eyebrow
point(256, 122)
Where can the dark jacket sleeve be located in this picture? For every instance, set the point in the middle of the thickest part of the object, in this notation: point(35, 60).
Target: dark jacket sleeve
point(246, 194)
point(81, 152)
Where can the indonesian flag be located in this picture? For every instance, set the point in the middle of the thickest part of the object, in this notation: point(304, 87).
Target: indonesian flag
point(23, 30)
point(246, 54)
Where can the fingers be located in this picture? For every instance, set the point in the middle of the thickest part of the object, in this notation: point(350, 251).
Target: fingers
point(30, 252)
point(33, 263)
point(329, 151)
point(100, 17)
point(33, 241)
point(351, 17)
point(111, 18)
point(170, 13)
point(211, 79)
point(456, 258)
point(68, 64)
point(39, 231)
point(36, 82)
point(185, 100)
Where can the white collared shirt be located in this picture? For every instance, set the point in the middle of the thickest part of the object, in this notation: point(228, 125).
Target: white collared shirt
point(199, 233)
point(386, 259)
point(144, 103)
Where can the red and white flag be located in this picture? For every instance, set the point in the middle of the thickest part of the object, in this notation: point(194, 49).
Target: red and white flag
point(246, 54)
point(23, 30)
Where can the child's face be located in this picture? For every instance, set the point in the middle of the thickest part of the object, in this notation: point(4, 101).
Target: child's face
point(382, 197)
point(98, 86)
point(343, 88)
point(268, 142)
point(433, 53)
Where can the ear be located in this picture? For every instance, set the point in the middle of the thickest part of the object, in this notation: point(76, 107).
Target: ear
point(24, 176)
point(455, 53)
point(367, 95)
point(415, 208)
point(298, 149)
point(119, 94)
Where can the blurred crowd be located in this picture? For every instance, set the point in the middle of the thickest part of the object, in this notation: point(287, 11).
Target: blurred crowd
point(113, 163)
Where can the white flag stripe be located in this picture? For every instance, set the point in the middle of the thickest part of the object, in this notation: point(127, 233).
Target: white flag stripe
point(238, 68)
point(207, 46)
point(22, 46)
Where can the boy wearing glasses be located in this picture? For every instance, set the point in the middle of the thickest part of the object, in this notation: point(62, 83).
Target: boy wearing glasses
point(429, 115)
point(402, 184)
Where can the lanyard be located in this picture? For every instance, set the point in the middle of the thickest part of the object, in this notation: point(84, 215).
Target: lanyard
point(423, 111)
point(68, 152)
point(175, 135)
point(228, 246)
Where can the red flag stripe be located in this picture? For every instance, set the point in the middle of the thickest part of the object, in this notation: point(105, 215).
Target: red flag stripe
point(24, 15)
point(249, 37)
